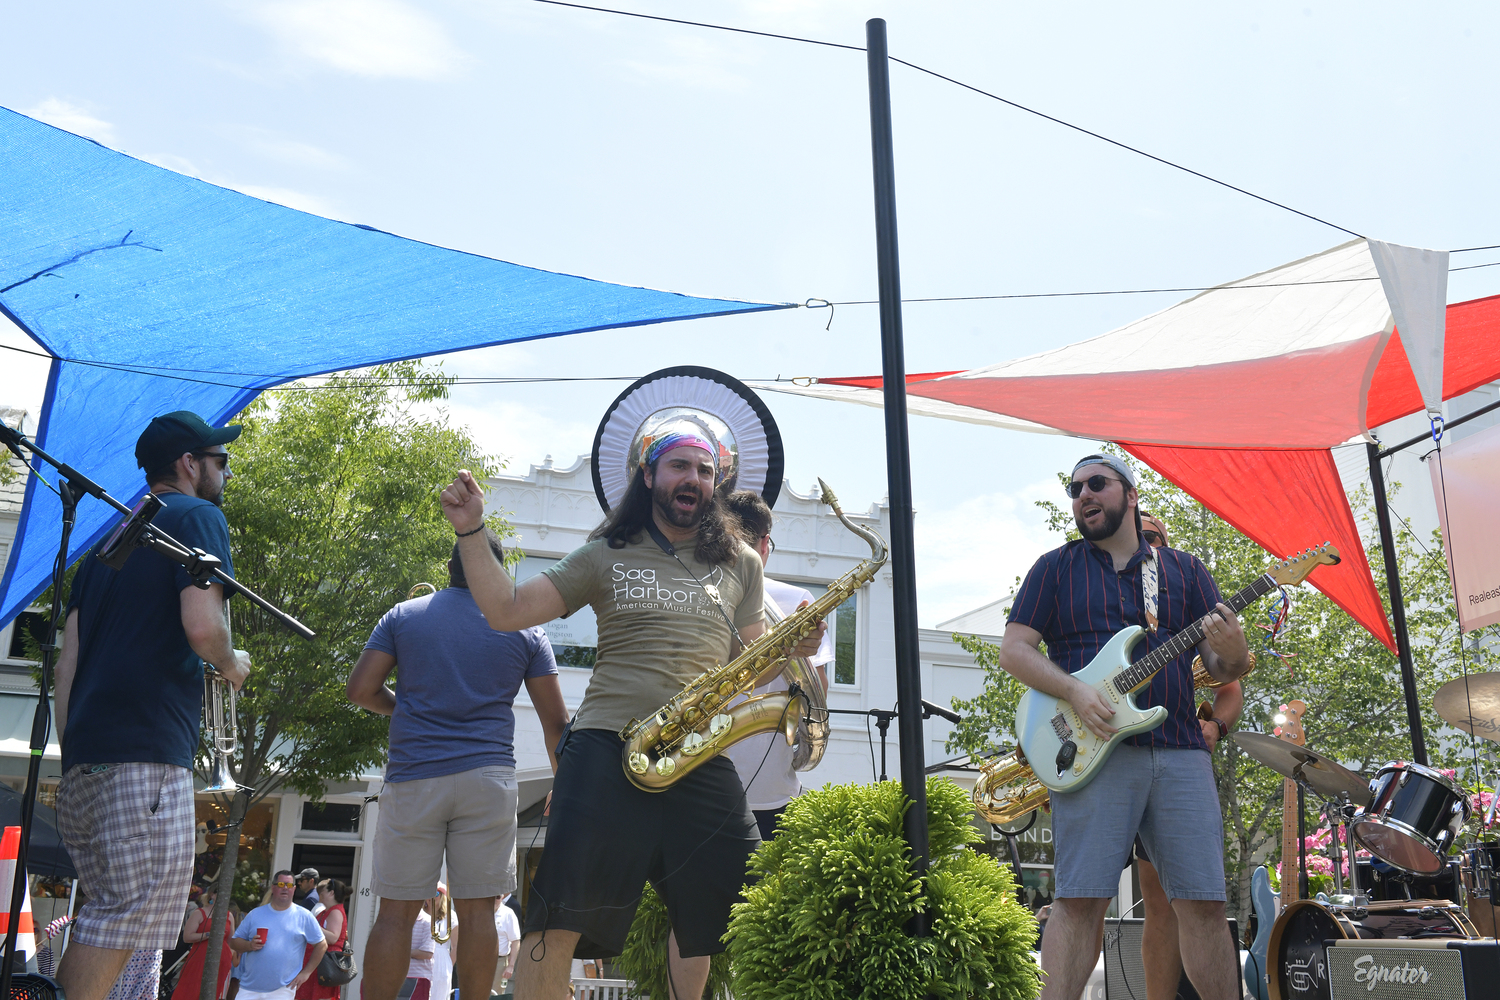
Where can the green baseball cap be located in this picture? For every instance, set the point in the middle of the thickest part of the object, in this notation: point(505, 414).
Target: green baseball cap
point(171, 435)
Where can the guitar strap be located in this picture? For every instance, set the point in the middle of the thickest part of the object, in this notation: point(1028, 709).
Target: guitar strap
point(1149, 586)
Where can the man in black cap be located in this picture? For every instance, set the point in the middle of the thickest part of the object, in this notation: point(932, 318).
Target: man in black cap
point(129, 700)
point(306, 895)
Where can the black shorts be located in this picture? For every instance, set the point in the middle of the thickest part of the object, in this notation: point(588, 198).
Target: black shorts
point(606, 838)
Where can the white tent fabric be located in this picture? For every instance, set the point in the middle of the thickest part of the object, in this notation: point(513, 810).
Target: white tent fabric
point(1416, 286)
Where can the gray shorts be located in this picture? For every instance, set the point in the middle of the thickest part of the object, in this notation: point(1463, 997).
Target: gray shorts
point(470, 815)
point(129, 830)
point(1168, 797)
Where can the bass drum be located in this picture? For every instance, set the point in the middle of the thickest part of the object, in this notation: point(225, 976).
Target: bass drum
point(1298, 957)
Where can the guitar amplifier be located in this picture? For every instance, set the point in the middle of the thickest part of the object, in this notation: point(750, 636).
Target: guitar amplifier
point(1413, 970)
point(1125, 976)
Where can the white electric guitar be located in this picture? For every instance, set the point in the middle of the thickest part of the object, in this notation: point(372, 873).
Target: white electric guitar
point(1062, 751)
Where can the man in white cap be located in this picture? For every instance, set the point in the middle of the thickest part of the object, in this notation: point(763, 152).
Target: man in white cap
point(1158, 785)
point(675, 592)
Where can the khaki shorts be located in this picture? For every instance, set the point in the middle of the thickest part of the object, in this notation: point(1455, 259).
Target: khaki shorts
point(470, 815)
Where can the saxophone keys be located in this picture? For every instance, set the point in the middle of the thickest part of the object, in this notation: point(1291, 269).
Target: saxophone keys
point(670, 732)
point(666, 766)
point(639, 762)
point(693, 744)
point(720, 724)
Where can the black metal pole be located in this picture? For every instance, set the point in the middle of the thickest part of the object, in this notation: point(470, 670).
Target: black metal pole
point(1398, 608)
point(897, 457)
point(40, 726)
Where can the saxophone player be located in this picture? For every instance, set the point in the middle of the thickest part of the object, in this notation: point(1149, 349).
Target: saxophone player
point(675, 591)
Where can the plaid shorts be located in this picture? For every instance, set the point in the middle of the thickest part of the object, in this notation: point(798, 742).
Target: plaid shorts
point(129, 830)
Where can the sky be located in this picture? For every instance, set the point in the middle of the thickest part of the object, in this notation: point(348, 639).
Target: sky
point(732, 165)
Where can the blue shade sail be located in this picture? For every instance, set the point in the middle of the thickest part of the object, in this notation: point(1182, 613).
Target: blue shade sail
point(157, 292)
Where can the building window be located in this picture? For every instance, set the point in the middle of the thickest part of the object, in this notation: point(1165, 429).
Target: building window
point(575, 639)
point(330, 817)
point(845, 624)
point(26, 623)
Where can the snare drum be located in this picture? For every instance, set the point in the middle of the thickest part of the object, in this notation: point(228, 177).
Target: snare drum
point(1413, 818)
point(1297, 955)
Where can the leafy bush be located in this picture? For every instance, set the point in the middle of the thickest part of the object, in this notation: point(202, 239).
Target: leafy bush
point(826, 919)
point(645, 959)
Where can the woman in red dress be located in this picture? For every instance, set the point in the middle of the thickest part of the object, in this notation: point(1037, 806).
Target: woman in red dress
point(195, 930)
point(333, 894)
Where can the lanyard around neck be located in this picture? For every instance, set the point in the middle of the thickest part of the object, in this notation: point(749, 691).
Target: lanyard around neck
point(707, 588)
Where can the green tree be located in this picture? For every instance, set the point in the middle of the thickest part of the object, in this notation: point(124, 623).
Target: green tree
point(1350, 682)
point(333, 515)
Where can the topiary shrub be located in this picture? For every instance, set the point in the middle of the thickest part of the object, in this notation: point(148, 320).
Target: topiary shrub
point(644, 961)
point(827, 918)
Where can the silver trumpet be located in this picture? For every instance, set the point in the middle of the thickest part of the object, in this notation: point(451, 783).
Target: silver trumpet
point(221, 728)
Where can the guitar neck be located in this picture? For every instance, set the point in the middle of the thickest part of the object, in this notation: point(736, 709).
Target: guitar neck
point(1146, 667)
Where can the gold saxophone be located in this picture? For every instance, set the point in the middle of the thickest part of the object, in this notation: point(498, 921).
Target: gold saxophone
point(1008, 789)
point(704, 718)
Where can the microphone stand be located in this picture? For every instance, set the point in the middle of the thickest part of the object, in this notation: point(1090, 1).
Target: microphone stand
point(205, 569)
point(883, 722)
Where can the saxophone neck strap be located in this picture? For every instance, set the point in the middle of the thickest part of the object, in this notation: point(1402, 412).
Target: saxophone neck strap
point(709, 589)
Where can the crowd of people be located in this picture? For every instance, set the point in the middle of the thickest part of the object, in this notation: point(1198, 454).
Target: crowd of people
point(675, 577)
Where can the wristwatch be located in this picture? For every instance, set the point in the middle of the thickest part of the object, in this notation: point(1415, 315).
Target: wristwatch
point(1223, 729)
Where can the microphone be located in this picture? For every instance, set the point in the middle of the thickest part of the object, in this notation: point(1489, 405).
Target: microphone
point(929, 710)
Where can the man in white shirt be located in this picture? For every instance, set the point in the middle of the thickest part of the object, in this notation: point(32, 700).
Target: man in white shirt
point(508, 930)
point(765, 762)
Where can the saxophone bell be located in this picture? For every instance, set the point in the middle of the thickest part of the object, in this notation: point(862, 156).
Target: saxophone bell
point(1007, 789)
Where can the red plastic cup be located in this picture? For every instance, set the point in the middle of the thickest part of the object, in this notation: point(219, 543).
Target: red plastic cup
point(262, 933)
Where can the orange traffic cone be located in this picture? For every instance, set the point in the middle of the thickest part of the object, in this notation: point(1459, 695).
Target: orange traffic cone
point(10, 849)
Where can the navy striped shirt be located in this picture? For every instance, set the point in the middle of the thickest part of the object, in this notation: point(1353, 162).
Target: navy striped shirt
point(1077, 601)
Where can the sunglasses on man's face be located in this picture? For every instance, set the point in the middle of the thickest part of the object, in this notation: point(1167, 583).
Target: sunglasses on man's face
point(285, 885)
point(222, 456)
point(1153, 538)
point(1094, 483)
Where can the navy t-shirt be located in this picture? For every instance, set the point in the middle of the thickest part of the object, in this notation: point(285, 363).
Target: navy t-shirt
point(456, 679)
point(1077, 601)
point(137, 695)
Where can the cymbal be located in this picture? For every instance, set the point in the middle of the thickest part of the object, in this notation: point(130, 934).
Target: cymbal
point(1472, 704)
point(1325, 776)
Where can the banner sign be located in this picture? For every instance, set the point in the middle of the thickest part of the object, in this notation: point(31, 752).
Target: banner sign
point(1465, 482)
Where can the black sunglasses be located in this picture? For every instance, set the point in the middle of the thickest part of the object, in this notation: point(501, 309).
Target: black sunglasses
point(222, 456)
point(1095, 485)
point(1153, 538)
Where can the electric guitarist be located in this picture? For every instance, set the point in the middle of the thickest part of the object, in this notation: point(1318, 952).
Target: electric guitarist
point(1159, 784)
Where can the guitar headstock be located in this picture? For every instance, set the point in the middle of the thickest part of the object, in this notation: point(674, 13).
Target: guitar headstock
point(1292, 571)
point(1289, 723)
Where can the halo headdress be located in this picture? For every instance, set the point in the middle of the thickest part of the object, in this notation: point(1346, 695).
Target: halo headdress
point(688, 405)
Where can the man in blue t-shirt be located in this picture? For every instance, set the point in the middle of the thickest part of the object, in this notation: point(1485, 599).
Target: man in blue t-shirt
point(450, 784)
point(129, 700)
point(272, 942)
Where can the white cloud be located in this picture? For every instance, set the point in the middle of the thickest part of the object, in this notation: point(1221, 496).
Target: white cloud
point(374, 38)
point(970, 554)
point(74, 118)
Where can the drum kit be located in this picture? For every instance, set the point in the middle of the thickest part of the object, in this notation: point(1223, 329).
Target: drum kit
point(1408, 818)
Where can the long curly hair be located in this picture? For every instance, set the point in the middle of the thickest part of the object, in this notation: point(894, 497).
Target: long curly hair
point(718, 531)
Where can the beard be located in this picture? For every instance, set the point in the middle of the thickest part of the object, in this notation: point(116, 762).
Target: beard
point(1113, 518)
point(204, 489)
point(663, 501)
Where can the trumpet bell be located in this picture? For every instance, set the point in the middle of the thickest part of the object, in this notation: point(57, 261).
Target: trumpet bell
point(220, 779)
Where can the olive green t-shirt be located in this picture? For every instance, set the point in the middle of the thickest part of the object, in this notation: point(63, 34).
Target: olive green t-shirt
point(657, 628)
